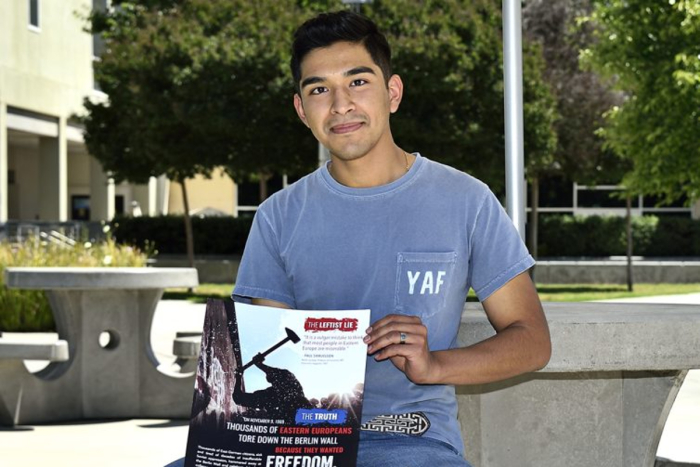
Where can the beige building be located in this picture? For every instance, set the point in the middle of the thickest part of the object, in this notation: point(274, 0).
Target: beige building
point(46, 174)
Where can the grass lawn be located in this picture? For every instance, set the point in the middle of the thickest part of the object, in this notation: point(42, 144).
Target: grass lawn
point(586, 292)
point(548, 292)
point(200, 294)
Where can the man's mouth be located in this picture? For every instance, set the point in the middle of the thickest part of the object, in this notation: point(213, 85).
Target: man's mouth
point(346, 128)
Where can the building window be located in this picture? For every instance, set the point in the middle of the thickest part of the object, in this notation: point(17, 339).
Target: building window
point(34, 15)
point(119, 205)
point(80, 208)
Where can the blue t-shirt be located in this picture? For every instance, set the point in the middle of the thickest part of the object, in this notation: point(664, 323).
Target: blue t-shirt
point(414, 246)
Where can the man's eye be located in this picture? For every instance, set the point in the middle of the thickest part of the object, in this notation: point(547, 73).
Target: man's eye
point(358, 82)
point(318, 90)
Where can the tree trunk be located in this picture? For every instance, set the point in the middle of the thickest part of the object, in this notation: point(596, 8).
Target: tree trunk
point(189, 238)
point(628, 228)
point(534, 221)
point(263, 185)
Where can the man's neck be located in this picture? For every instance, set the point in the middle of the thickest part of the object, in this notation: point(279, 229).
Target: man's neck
point(372, 170)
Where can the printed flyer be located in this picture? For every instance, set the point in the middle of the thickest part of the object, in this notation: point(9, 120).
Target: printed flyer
point(278, 388)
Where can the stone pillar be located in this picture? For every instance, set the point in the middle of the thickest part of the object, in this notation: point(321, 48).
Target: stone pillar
point(3, 163)
point(101, 193)
point(162, 195)
point(695, 213)
point(53, 176)
point(146, 196)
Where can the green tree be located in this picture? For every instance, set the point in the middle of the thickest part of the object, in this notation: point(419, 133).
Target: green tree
point(196, 84)
point(651, 51)
point(450, 56)
point(582, 98)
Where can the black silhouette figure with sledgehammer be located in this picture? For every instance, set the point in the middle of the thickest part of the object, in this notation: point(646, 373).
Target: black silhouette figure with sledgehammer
point(284, 396)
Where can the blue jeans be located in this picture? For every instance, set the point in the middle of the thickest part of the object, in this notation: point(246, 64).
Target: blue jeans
point(395, 450)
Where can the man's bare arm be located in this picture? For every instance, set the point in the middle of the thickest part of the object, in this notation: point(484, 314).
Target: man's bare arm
point(522, 343)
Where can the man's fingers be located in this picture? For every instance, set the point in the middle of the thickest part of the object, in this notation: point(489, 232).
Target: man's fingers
point(402, 337)
point(405, 351)
point(412, 327)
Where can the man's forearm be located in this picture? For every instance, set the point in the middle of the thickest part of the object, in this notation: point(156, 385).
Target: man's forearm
point(515, 350)
point(521, 344)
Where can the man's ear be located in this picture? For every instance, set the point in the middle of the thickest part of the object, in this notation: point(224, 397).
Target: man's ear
point(395, 86)
point(299, 106)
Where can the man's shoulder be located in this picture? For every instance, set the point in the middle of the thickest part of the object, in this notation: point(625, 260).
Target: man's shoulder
point(291, 196)
point(447, 178)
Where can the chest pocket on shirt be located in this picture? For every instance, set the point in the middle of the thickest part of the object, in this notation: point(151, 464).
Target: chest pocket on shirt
point(423, 281)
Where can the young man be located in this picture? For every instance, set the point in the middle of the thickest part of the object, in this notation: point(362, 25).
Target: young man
point(383, 229)
point(394, 232)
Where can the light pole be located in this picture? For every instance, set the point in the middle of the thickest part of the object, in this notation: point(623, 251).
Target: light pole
point(513, 80)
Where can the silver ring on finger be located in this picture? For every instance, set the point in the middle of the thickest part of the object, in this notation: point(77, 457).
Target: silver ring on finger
point(402, 338)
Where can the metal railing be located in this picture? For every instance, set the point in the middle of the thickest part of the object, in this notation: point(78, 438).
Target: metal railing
point(65, 234)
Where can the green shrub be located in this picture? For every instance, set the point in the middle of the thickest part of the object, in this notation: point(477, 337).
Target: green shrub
point(559, 235)
point(28, 310)
point(676, 236)
point(166, 234)
point(600, 236)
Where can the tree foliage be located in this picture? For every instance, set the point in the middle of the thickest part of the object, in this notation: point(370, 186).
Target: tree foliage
point(582, 97)
point(196, 84)
point(449, 54)
point(650, 49)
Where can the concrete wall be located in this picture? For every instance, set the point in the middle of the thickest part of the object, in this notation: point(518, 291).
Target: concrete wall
point(78, 176)
point(23, 194)
point(615, 272)
point(47, 71)
point(223, 270)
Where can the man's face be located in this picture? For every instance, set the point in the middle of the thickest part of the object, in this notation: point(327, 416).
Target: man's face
point(345, 101)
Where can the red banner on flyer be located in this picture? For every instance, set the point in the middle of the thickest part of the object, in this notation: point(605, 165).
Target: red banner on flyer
point(330, 324)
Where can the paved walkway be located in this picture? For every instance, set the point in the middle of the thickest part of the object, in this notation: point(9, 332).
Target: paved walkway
point(154, 443)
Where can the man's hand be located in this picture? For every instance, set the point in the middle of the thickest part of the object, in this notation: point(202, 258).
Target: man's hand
point(258, 359)
point(404, 340)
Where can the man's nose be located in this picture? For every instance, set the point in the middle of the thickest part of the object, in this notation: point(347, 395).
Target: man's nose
point(342, 102)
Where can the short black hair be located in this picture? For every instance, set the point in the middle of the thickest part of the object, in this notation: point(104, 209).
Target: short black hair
point(326, 29)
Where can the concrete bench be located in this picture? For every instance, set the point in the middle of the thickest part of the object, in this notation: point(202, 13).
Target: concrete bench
point(604, 397)
point(186, 347)
point(53, 351)
point(13, 353)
